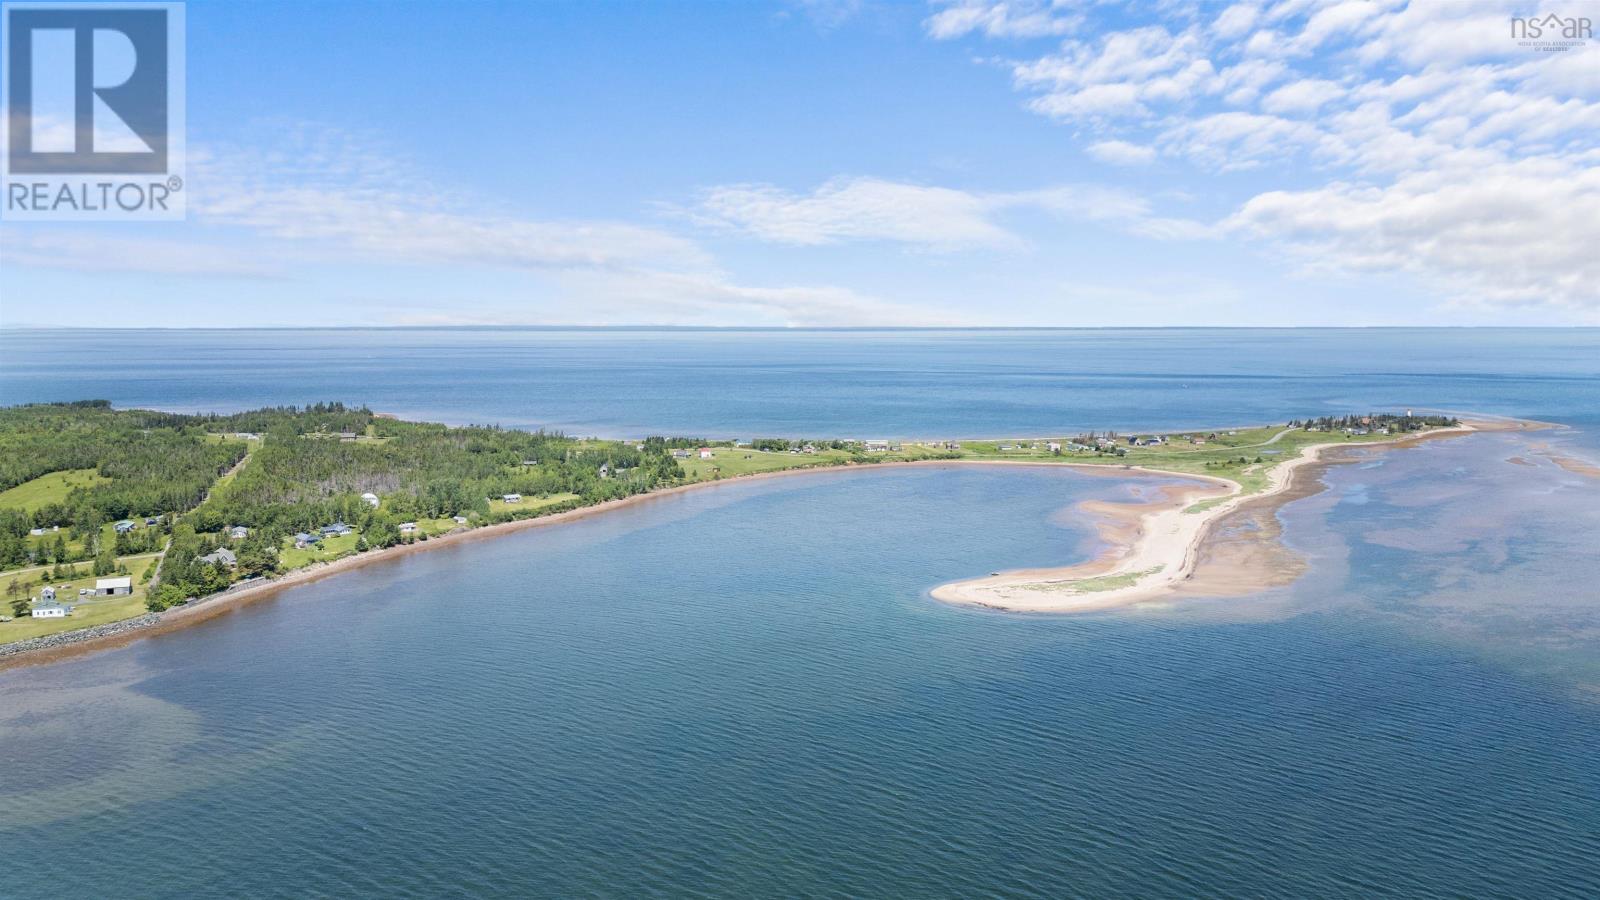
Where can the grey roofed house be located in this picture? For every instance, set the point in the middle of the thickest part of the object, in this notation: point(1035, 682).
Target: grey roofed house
point(238, 531)
point(223, 555)
point(302, 539)
point(336, 528)
point(124, 526)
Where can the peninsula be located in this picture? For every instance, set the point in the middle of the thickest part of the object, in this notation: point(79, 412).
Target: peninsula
point(115, 522)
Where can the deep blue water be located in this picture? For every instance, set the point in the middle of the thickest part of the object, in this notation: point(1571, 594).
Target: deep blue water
point(820, 383)
point(746, 691)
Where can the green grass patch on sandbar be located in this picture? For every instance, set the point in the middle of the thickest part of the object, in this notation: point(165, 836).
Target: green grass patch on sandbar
point(1097, 584)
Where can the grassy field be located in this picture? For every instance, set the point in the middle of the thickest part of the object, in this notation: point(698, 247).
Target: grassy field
point(497, 504)
point(1219, 456)
point(47, 489)
point(330, 549)
point(85, 611)
point(732, 462)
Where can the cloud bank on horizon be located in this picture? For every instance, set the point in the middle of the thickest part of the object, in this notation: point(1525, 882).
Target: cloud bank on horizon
point(1175, 164)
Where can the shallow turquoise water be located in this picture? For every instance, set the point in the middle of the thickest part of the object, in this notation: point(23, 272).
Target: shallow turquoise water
point(746, 691)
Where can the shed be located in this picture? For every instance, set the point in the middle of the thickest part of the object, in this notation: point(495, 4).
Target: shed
point(113, 587)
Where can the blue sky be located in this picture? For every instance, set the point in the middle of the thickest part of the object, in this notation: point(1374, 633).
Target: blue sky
point(856, 163)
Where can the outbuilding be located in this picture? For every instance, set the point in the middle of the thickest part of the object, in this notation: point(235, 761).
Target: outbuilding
point(113, 587)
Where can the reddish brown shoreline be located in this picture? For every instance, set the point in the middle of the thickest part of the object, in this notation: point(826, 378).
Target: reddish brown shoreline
point(226, 602)
point(1123, 524)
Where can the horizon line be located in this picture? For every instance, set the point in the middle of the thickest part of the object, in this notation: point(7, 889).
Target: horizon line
point(793, 328)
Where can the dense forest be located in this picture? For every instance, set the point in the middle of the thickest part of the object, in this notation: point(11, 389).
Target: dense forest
point(1391, 421)
point(303, 467)
point(146, 463)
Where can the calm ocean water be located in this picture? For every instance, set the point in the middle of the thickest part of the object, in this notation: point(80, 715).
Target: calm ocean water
point(819, 383)
point(745, 691)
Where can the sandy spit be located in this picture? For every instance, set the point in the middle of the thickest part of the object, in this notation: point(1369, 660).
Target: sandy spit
point(1167, 544)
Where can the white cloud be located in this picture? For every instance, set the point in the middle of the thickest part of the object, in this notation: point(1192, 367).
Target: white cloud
point(1122, 153)
point(93, 252)
point(1013, 19)
point(1304, 96)
point(315, 196)
point(1518, 232)
point(856, 209)
point(1441, 143)
point(1236, 20)
point(931, 218)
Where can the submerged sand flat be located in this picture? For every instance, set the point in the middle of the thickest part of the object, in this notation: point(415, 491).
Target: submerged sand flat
point(1158, 546)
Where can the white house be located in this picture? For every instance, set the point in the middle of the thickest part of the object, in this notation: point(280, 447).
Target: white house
point(113, 587)
point(459, 520)
point(49, 609)
point(1054, 446)
point(238, 532)
point(680, 454)
point(370, 499)
point(877, 446)
point(705, 453)
point(512, 498)
point(408, 528)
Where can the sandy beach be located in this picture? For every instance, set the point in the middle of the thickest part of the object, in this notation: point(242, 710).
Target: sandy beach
point(1156, 547)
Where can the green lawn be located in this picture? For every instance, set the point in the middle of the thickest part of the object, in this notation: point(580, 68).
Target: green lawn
point(330, 549)
point(731, 462)
point(85, 611)
point(1218, 456)
point(497, 504)
point(47, 489)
